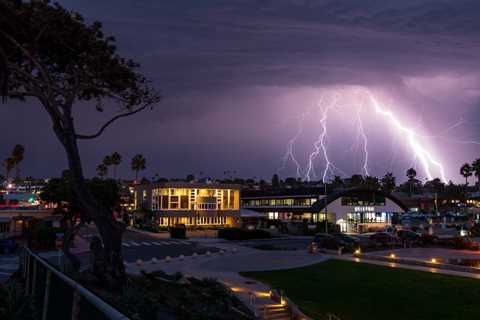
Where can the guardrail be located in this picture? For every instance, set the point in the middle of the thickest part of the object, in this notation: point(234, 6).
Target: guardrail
point(57, 296)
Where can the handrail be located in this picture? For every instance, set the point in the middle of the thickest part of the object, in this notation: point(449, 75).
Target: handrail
point(105, 308)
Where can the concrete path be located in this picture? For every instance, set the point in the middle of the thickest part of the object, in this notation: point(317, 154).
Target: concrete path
point(226, 264)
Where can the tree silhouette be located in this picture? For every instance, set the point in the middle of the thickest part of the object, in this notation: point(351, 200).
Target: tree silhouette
point(8, 164)
point(102, 170)
point(18, 155)
point(411, 175)
point(388, 182)
point(51, 55)
point(116, 159)
point(139, 163)
point(476, 170)
point(466, 171)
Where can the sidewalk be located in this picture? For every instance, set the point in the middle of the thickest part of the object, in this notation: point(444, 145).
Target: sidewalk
point(226, 265)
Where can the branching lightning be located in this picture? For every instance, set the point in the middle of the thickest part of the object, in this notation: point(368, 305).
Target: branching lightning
point(289, 154)
point(343, 100)
point(419, 151)
point(362, 134)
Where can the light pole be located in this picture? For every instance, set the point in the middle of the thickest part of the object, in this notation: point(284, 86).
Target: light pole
point(326, 211)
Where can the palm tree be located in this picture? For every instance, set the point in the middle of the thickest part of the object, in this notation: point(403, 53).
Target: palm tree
point(411, 174)
point(139, 163)
point(17, 155)
point(116, 160)
point(466, 171)
point(476, 170)
point(102, 170)
point(388, 182)
point(9, 164)
point(107, 162)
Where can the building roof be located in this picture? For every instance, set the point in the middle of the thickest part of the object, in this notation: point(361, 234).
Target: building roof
point(284, 193)
point(320, 205)
point(195, 185)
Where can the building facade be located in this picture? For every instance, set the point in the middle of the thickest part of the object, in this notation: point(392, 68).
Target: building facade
point(354, 210)
point(190, 204)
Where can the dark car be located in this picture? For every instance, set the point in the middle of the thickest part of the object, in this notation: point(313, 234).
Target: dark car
point(346, 240)
point(382, 238)
point(407, 235)
point(321, 239)
point(7, 246)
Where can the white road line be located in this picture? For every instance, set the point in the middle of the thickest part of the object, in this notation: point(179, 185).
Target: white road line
point(165, 242)
point(133, 243)
point(125, 244)
point(146, 243)
point(157, 243)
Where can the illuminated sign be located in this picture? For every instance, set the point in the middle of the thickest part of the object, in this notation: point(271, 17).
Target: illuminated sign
point(364, 209)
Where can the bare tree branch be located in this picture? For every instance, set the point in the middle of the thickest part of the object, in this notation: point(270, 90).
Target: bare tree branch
point(109, 122)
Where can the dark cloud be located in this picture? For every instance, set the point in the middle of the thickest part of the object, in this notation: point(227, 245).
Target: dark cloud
point(229, 69)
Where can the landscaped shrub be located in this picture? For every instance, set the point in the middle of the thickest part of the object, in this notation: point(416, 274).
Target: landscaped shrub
point(179, 232)
point(242, 234)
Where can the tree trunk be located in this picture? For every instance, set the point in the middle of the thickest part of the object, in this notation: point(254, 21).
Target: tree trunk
point(110, 230)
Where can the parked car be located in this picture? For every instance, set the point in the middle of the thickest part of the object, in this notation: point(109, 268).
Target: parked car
point(7, 245)
point(346, 240)
point(408, 235)
point(382, 238)
point(321, 239)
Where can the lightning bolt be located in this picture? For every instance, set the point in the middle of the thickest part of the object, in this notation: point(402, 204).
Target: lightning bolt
point(365, 141)
point(289, 154)
point(320, 146)
point(419, 151)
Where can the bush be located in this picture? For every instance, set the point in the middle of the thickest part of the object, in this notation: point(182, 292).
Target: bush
point(178, 232)
point(242, 234)
point(44, 235)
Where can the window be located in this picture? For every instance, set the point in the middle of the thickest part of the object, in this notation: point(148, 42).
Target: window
point(184, 202)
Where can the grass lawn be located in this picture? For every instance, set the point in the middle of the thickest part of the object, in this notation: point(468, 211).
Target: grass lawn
point(360, 291)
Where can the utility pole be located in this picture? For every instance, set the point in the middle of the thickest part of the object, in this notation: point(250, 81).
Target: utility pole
point(326, 210)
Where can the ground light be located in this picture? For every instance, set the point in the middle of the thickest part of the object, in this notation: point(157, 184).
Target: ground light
point(433, 260)
point(392, 255)
point(358, 252)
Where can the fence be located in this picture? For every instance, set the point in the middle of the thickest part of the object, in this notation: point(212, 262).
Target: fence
point(56, 296)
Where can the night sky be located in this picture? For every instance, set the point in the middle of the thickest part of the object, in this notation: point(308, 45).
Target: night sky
point(238, 77)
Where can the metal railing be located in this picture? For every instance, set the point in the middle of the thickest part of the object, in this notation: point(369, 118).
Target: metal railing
point(57, 296)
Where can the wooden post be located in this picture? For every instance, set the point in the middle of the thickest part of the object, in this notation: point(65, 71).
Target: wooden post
point(76, 305)
point(46, 295)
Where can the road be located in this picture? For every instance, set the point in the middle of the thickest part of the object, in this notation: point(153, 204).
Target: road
point(142, 246)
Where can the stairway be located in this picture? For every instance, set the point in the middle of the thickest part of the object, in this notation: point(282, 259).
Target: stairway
point(274, 312)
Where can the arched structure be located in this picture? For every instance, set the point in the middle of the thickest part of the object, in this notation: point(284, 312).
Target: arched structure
point(359, 209)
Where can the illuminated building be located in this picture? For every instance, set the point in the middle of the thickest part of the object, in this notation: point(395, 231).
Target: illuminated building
point(191, 204)
point(354, 210)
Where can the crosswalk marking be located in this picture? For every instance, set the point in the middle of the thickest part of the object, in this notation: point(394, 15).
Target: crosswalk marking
point(154, 243)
